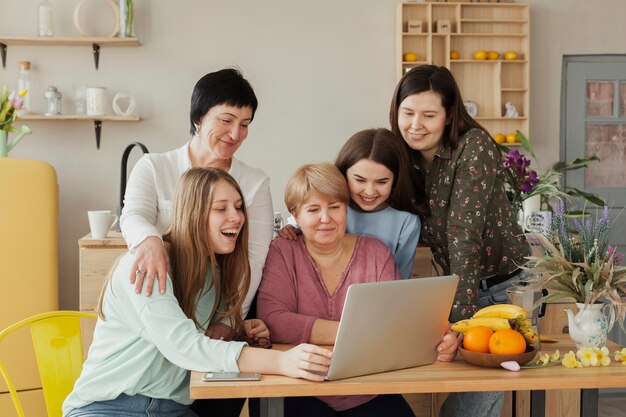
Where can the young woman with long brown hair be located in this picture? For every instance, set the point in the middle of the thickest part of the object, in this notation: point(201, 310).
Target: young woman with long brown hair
point(144, 347)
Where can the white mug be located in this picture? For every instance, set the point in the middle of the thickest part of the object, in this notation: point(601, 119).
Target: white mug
point(96, 100)
point(100, 222)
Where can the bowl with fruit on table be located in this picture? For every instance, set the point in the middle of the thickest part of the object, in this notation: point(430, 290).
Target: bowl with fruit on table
point(497, 334)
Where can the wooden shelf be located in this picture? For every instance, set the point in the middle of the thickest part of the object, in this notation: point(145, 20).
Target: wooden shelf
point(105, 117)
point(97, 120)
point(68, 41)
point(94, 42)
point(499, 27)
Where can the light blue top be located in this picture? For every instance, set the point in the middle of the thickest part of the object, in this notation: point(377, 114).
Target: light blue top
point(145, 345)
point(399, 230)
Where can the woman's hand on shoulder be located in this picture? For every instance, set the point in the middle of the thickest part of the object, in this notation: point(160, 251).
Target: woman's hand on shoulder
point(289, 232)
point(305, 361)
point(151, 262)
point(448, 346)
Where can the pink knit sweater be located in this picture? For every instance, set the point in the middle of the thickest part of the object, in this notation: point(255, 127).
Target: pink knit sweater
point(292, 294)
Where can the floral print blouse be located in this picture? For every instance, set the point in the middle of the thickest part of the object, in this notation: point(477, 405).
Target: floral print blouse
point(471, 229)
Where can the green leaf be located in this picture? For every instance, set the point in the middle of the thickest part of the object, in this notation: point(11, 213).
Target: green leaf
point(525, 143)
point(577, 163)
point(592, 198)
point(503, 148)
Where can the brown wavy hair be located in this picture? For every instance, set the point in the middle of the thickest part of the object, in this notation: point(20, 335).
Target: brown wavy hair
point(191, 254)
point(441, 81)
point(379, 146)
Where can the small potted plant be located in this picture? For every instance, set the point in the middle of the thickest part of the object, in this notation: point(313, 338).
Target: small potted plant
point(581, 265)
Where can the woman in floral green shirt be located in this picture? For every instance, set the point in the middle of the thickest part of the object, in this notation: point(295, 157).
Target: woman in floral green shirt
point(470, 229)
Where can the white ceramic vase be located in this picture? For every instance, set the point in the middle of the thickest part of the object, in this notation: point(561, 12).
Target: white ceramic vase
point(590, 326)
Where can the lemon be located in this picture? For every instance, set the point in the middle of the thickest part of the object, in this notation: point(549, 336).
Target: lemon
point(510, 56)
point(499, 138)
point(493, 55)
point(411, 57)
point(511, 138)
point(454, 55)
point(480, 54)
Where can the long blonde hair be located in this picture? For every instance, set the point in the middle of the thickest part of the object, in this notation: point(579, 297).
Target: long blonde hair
point(191, 253)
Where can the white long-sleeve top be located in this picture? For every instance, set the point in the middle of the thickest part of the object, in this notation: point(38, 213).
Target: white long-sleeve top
point(148, 205)
point(146, 345)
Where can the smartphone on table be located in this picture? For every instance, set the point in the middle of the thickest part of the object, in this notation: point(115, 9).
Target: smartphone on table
point(231, 376)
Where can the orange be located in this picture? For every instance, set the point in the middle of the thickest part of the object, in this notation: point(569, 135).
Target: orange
point(493, 55)
point(480, 54)
point(477, 339)
point(510, 56)
point(499, 138)
point(411, 57)
point(507, 342)
point(511, 138)
point(454, 55)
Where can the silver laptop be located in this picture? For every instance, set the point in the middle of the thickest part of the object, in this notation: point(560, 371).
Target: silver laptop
point(391, 325)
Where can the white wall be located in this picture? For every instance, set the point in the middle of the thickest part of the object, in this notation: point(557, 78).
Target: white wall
point(322, 70)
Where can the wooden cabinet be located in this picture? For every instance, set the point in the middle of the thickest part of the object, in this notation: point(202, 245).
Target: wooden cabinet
point(466, 28)
point(96, 258)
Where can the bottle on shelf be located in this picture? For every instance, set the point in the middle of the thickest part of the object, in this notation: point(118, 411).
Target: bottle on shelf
point(23, 83)
point(46, 18)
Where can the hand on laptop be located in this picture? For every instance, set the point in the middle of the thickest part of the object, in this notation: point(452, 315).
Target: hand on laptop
point(305, 361)
point(447, 347)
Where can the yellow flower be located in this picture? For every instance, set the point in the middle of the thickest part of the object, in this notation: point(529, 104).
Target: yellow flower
point(569, 360)
point(543, 359)
point(620, 355)
point(555, 356)
point(603, 355)
point(587, 356)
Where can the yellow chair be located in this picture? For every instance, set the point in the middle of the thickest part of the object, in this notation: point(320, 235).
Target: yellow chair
point(59, 351)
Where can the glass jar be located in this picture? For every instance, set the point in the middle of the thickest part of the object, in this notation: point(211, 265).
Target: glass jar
point(23, 83)
point(46, 18)
point(126, 19)
point(53, 101)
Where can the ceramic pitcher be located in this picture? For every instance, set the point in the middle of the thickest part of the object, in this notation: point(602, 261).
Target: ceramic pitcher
point(590, 326)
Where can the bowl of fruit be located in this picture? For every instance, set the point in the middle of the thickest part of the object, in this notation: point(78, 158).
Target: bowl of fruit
point(497, 334)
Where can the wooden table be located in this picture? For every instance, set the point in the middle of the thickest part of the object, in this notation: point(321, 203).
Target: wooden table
point(456, 376)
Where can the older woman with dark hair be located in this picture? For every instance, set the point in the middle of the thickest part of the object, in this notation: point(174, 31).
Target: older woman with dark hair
point(305, 282)
point(223, 105)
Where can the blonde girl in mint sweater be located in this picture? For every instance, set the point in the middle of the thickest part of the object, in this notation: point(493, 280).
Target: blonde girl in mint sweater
point(144, 347)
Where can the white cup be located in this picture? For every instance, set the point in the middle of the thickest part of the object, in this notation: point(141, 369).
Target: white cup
point(96, 100)
point(100, 222)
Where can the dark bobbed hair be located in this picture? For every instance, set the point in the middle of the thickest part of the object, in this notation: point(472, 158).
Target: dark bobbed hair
point(441, 81)
point(379, 146)
point(226, 86)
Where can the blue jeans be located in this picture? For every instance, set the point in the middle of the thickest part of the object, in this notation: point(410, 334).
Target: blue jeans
point(135, 406)
point(481, 404)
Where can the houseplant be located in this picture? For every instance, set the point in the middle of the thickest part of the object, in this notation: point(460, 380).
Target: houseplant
point(10, 103)
point(524, 183)
point(580, 264)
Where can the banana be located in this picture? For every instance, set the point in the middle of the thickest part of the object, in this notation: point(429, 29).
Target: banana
point(494, 323)
point(530, 335)
point(505, 311)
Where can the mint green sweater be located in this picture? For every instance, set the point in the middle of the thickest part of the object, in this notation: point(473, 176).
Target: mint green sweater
point(146, 345)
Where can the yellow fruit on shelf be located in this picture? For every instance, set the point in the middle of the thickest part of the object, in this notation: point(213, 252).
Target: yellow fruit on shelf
point(480, 54)
point(454, 55)
point(510, 56)
point(411, 57)
point(493, 55)
point(499, 138)
point(511, 138)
